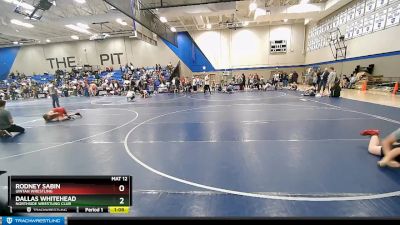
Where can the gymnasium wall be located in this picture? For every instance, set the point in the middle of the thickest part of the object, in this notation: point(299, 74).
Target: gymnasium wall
point(378, 47)
point(248, 48)
point(110, 52)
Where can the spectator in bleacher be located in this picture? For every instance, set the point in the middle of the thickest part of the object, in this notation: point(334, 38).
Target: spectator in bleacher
point(93, 89)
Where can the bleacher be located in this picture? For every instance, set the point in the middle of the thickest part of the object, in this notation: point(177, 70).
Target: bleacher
point(114, 75)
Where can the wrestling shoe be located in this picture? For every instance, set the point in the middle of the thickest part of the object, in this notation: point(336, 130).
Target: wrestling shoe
point(4, 133)
point(369, 132)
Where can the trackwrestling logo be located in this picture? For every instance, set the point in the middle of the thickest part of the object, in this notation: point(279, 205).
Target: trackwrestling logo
point(33, 220)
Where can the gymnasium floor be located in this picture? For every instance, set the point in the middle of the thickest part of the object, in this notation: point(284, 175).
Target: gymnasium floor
point(258, 154)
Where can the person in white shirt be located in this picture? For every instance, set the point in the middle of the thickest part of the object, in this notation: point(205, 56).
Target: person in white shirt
point(331, 78)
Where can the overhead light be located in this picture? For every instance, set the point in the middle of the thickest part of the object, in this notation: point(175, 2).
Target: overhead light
point(15, 42)
point(260, 12)
point(245, 23)
point(209, 26)
point(303, 2)
point(75, 37)
point(163, 19)
point(285, 20)
point(173, 29)
point(80, 1)
point(20, 23)
point(120, 21)
point(253, 6)
point(21, 4)
point(134, 34)
point(77, 28)
point(21, 43)
point(84, 26)
point(48, 41)
point(304, 8)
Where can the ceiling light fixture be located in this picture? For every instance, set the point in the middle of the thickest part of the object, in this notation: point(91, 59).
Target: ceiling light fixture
point(253, 6)
point(209, 26)
point(120, 21)
point(134, 34)
point(260, 12)
point(75, 37)
point(79, 29)
point(48, 41)
point(20, 23)
point(245, 23)
point(80, 1)
point(82, 25)
point(285, 20)
point(173, 29)
point(15, 42)
point(163, 19)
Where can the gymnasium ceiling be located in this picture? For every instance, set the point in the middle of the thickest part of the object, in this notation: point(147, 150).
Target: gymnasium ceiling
point(101, 17)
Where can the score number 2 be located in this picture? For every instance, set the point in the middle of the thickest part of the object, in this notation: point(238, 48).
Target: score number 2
point(121, 188)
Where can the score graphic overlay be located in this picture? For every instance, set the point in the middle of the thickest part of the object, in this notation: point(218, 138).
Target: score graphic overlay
point(69, 194)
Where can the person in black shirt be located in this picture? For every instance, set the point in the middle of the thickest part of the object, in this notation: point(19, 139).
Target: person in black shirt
point(243, 82)
point(324, 80)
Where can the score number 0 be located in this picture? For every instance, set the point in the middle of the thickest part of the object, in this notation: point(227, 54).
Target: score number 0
point(121, 188)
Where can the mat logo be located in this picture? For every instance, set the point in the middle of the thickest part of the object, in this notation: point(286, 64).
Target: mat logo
point(9, 220)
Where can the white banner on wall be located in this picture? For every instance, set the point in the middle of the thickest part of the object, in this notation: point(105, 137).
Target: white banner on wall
point(351, 13)
point(330, 24)
point(370, 6)
point(381, 3)
point(336, 21)
point(368, 24)
point(349, 32)
point(393, 17)
point(343, 18)
point(324, 27)
point(380, 20)
point(360, 8)
point(358, 28)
